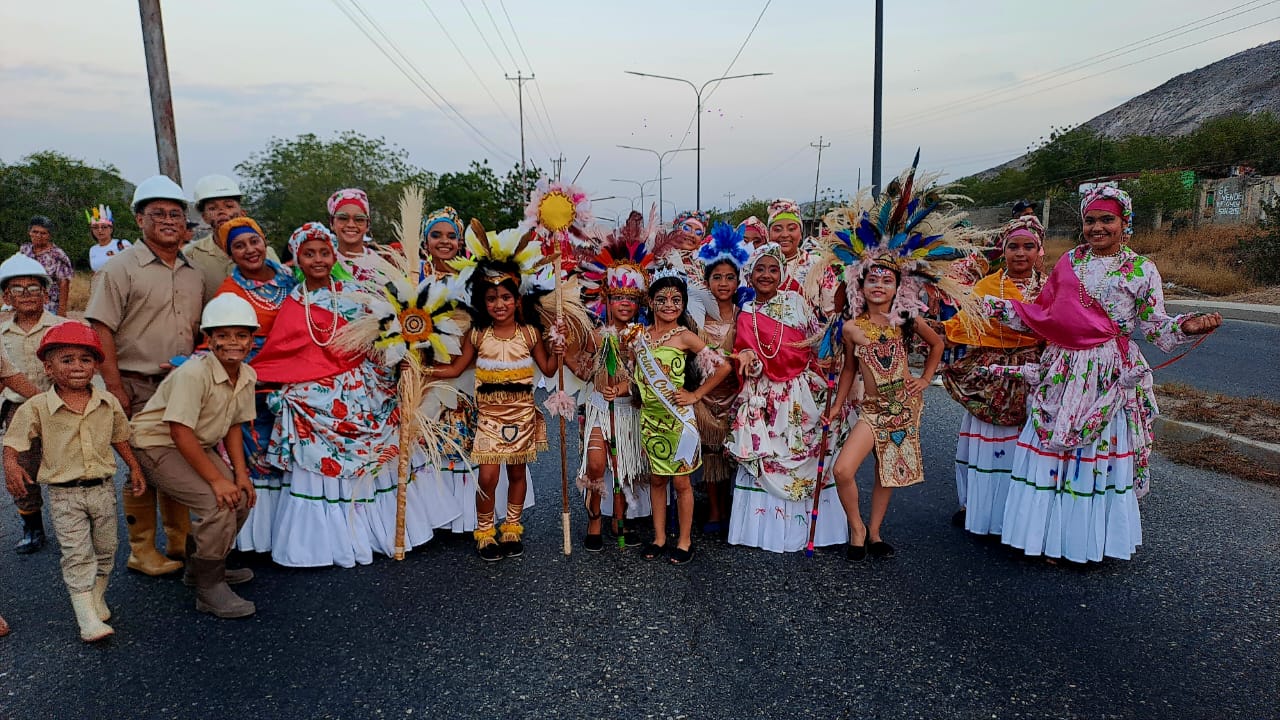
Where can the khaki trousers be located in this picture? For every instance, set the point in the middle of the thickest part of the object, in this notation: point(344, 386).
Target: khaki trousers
point(84, 520)
point(214, 528)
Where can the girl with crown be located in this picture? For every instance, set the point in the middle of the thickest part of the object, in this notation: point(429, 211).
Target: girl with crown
point(1082, 458)
point(615, 279)
point(667, 422)
point(506, 346)
point(892, 247)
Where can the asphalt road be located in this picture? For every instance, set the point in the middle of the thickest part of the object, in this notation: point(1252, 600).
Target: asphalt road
point(1240, 358)
point(953, 627)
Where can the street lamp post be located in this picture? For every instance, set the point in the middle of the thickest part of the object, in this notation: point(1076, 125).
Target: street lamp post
point(640, 185)
point(697, 91)
point(661, 158)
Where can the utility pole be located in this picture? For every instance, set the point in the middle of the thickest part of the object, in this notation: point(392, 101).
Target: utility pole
point(877, 103)
point(520, 79)
point(730, 196)
point(816, 176)
point(558, 162)
point(158, 80)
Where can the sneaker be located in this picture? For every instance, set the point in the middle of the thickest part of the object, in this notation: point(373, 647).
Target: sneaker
point(632, 539)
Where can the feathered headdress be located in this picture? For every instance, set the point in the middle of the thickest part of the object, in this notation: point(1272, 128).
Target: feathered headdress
point(494, 255)
point(100, 214)
point(620, 267)
point(910, 228)
point(726, 244)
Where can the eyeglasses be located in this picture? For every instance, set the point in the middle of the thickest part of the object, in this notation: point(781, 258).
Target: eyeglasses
point(347, 217)
point(172, 216)
point(24, 290)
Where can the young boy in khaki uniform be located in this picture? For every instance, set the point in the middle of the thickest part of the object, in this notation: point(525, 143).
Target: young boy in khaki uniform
point(204, 401)
point(79, 425)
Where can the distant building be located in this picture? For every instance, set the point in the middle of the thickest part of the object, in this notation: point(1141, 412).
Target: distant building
point(1235, 200)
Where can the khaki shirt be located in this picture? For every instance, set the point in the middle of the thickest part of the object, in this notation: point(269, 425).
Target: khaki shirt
point(77, 446)
point(153, 309)
point(200, 395)
point(7, 368)
point(21, 345)
point(214, 264)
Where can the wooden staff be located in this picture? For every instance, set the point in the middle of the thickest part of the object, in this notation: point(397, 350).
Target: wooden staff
point(822, 463)
point(564, 450)
point(407, 394)
point(619, 519)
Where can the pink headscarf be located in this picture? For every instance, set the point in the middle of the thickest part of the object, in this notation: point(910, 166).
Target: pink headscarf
point(754, 223)
point(348, 196)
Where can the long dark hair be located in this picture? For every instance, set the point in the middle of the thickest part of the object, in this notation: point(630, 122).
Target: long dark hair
point(908, 322)
point(478, 285)
point(673, 281)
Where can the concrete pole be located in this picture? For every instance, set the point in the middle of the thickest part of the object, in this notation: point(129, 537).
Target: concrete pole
point(158, 80)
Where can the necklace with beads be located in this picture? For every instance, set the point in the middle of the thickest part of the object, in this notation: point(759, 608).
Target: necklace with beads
point(1091, 295)
point(1025, 286)
point(264, 296)
point(312, 328)
point(777, 336)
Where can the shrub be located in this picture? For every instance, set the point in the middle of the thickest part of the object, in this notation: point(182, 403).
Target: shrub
point(1260, 253)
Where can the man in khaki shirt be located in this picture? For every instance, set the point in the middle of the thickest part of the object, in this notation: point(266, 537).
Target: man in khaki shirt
point(217, 201)
point(203, 402)
point(145, 305)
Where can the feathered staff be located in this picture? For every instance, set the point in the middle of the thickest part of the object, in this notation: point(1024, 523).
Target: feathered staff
point(409, 324)
point(557, 214)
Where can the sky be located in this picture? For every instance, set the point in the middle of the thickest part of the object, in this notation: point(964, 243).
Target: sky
point(972, 89)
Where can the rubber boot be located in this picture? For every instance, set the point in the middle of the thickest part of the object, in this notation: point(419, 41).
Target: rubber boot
point(176, 518)
point(91, 628)
point(213, 595)
point(33, 536)
point(234, 576)
point(100, 598)
point(140, 515)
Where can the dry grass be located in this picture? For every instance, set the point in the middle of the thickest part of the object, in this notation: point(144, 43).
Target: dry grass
point(1251, 417)
point(78, 299)
point(1216, 454)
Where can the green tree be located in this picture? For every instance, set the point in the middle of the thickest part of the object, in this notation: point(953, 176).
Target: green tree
point(1159, 195)
point(288, 183)
point(479, 193)
point(747, 208)
point(1234, 140)
point(62, 188)
point(1069, 156)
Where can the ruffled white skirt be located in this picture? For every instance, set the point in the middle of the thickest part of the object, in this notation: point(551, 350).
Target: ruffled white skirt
point(463, 481)
point(1075, 504)
point(760, 519)
point(984, 457)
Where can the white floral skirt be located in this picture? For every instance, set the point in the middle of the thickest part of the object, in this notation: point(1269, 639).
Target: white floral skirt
point(984, 457)
point(763, 520)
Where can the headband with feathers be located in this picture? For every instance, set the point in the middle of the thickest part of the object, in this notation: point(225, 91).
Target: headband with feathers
point(725, 244)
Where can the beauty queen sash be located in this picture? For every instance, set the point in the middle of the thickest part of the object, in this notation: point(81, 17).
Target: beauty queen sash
point(687, 448)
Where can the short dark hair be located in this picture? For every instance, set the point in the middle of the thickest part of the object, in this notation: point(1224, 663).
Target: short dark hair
point(40, 221)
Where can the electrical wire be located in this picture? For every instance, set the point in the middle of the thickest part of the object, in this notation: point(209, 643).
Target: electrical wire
point(463, 56)
point(537, 88)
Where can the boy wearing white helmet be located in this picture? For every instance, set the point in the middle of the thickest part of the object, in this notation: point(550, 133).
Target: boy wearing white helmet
point(203, 402)
point(25, 286)
point(217, 201)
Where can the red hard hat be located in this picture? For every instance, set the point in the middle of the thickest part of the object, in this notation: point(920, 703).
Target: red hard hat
point(71, 333)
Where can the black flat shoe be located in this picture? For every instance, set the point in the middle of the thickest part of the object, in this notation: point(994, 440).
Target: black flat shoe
point(490, 553)
point(880, 549)
point(680, 557)
point(593, 543)
point(651, 551)
point(957, 520)
point(856, 553)
point(513, 548)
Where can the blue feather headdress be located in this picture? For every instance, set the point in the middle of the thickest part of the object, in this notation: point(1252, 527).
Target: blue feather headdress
point(726, 244)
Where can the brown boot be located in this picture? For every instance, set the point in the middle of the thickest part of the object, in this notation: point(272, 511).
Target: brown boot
point(140, 515)
point(213, 596)
point(234, 576)
point(176, 518)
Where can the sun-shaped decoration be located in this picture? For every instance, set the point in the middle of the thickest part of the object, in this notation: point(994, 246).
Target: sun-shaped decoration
point(559, 216)
point(421, 320)
point(556, 211)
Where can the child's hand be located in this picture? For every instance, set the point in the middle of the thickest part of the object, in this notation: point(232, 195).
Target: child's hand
point(137, 481)
point(16, 480)
point(832, 418)
point(684, 397)
point(915, 385)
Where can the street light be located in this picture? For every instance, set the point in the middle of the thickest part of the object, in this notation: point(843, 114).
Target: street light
point(661, 157)
point(640, 185)
point(698, 92)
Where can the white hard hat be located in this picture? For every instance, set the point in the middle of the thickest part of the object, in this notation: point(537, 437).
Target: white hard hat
point(216, 186)
point(157, 187)
point(228, 310)
point(22, 266)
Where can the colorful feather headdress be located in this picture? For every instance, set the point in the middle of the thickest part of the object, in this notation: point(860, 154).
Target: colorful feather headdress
point(100, 214)
point(911, 228)
point(494, 254)
point(725, 244)
point(620, 265)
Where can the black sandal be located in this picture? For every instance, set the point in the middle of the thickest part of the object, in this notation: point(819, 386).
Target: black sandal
point(651, 551)
point(880, 549)
point(593, 543)
point(680, 557)
point(857, 553)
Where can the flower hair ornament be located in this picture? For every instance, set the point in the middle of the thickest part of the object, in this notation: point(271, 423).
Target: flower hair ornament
point(910, 229)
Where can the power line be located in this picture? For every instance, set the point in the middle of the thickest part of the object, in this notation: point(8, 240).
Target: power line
point(537, 89)
point(422, 84)
point(505, 46)
point(463, 56)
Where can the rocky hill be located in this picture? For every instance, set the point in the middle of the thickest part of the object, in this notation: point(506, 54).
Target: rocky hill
point(1247, 82)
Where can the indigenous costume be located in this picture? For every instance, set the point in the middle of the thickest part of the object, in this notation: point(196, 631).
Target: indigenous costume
point(669, 431)
point(777, 429)
point(509, 427)
point(335, 435)
point(618, 270)
point(266, 298)
point(995, 406)
point(1082, 459)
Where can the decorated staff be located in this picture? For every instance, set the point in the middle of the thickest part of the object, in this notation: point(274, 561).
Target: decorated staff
point(411, 324)
point(558, 214)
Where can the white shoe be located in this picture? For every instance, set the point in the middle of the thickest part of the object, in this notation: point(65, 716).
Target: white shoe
point(92, 629)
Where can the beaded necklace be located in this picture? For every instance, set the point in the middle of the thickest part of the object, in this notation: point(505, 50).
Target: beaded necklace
point(1091, 295)
point(265, 295)
point(755, 328)
point(312, 328)
point(1024, 285)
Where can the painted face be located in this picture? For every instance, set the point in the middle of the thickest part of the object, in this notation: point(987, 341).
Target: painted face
point(787, 234)
point(249, 252)
point(216, 211)
point(879, 286)
point(442, 241)
point(754, 237)
point(39, 235)
point(766, 276)
point(316, 259)
point(500, 303)
point(101, 232)
point(70, 366)
point(163, 222)
point(623, 308)
point(25, 294)
point(723, 281)
point(1020, 254)
point(350, 223)
point(230, 344)
point(668, 304)
point(1104, 231)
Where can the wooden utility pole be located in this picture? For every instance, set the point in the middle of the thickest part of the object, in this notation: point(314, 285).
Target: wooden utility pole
point(520, 79)
point(161, 97)
point(730, 196)
point(558, 162)
point(877, 101)
point(816, 176)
